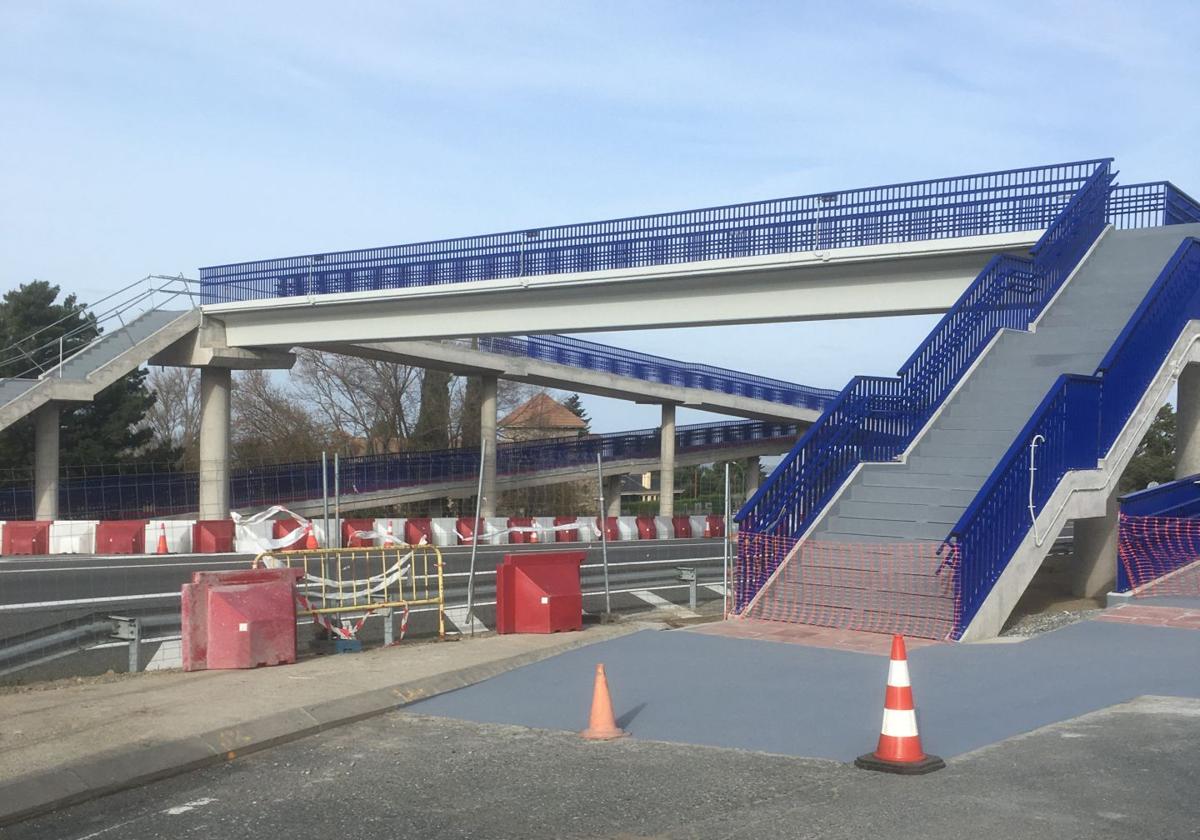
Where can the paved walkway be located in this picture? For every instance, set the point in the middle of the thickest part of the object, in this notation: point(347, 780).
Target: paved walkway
point(805, 634)
point(74, 739)
point(698, 687)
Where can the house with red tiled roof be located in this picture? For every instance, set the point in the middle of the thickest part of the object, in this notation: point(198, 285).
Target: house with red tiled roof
point(540, 417)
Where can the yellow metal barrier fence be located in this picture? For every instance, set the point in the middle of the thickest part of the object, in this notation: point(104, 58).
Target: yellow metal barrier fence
point(342, 581)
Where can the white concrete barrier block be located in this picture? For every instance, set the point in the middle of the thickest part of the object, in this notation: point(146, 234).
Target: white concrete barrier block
point(627, 528)
point(699, 523)
point(77, 536)
point(445, 531)
point(545, 526)
point(179, 535)
point(252, 538)
point(381, 528)
point(498, 525)
point(662, 524)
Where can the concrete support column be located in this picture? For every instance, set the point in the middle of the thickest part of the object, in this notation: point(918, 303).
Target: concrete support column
point(752, 477)
point(666, 463)
point(45, 461)
point(1094, 567)
point(1187, 429)
point(215, 386)
point(612, 495)
point(487, 435)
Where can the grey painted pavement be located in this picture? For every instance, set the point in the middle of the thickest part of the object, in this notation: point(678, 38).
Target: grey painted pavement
point(805, 701)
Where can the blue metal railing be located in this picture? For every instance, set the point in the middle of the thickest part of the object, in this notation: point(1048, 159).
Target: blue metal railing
point(565, 350)
point(1179, 499)
point(143, 493)
point(1151, 205)
point(1079, 419)
point(987, 203)
point(876, 418)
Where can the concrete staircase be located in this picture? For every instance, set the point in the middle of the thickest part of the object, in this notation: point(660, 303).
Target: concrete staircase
point(922, 495)
point(101, 363)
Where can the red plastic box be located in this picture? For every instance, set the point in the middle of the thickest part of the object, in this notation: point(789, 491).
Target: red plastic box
point(539, 593)
point(26, 537)
point(239, 619)
point(213, 536)
point(121, 536)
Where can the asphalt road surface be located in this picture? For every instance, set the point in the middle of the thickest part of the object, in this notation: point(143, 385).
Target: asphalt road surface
point(1127, 771)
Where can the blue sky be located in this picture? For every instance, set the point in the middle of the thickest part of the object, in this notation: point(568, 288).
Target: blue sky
point(146, 137)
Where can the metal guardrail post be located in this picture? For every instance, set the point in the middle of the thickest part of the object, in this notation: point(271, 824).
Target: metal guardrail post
point(131, 630)
point(389, 626)
point(688, 575)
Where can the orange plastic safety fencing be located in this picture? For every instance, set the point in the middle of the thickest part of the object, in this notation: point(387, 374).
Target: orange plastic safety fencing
point(906, 587)
point(1159, 555)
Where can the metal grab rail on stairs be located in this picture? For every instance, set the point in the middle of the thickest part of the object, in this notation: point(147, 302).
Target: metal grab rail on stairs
point(876, 418)
point(1080, 419)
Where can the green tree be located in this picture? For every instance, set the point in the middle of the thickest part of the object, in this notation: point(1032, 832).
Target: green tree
point(575, 405)
point(106, 431)
point(1154, 459)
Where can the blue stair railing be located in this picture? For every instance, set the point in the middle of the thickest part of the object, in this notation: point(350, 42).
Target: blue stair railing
point(876, 418)
point(1078, 421)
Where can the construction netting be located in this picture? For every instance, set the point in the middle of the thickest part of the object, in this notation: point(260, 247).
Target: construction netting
point(884, 587)
point(1159, 555)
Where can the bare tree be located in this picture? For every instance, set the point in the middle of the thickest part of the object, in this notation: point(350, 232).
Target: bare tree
point(174, 418)
point(271, 423)
point(361, 398)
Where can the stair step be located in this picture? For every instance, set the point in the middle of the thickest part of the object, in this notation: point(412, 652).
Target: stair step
point(914, 495)
point(855, 527)
point(904, 476)
point(899, 512)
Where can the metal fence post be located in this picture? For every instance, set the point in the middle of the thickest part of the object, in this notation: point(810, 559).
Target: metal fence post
point(603, 537)
point(725, 555)
point(325, 494)
point(475, 541)
point(337, 499)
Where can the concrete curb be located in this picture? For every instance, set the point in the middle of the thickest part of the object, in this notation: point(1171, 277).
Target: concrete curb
point(138, 765)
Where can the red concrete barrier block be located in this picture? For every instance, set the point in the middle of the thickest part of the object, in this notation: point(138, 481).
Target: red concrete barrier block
point(281, 528)
point(612, 531)
point(682, 526)
point(567, 534)
point(714, 526)
point(521, 537)
point(466, 528)
point(121, 536)
point(350, 527)
point(418, 530)
point(647, 530)
point(26, 537)
point(539, 593)
point(213, 536)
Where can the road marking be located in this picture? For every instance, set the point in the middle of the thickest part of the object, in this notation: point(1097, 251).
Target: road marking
point(189, 806)
point(74, 602)
point(661, 603)
point(36, 570)
point(719, 588)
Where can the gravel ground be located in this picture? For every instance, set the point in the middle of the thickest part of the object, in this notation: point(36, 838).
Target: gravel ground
point(1032, 625)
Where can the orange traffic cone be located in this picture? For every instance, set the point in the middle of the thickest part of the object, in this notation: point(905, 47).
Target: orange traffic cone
point(391, 535)
point(899, 749)
point(310, 539)
point(162, 539)
point(602, 726)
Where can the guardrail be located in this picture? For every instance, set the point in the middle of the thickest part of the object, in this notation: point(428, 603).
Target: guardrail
point(588, 355)
point(969, 205)
point(141, 491)
point(876, 418)
point(1078, 421)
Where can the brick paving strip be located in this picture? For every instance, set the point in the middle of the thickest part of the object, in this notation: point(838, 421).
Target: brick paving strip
point(833, 638)
point(1183, 618)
